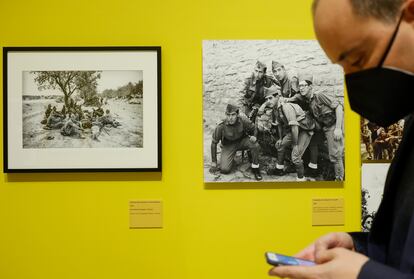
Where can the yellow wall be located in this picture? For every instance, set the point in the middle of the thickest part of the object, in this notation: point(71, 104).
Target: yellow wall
point(76, 225)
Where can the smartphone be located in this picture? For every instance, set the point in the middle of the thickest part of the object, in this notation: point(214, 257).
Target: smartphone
point(278, 259)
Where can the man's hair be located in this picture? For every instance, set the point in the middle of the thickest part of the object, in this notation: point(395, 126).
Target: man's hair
point(385, 10)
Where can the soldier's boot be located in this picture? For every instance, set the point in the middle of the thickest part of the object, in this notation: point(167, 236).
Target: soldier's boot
point(276, 171)
point(257, 174)
point(310, 172)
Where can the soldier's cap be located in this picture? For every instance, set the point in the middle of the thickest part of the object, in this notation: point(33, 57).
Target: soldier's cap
point(276, 64)
point(306, 79)
point(232, 108)
point(261, 65)
point(272, 90)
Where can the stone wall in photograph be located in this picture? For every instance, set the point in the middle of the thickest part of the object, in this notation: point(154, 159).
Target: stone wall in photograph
point(226, 64)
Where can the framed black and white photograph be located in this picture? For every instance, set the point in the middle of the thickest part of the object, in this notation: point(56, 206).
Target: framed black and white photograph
point(273, 110)
point(82, 109)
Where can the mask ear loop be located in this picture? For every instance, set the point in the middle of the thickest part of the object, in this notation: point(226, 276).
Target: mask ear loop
point(387, 50)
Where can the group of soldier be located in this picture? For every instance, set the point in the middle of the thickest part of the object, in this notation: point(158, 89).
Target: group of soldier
point(381, 143)
point(73, 120)
point(283, 116)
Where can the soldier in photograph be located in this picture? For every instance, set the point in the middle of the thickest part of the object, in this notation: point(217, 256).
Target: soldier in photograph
point(267, 133)
point(286, 84)
point(47, 114)
point(298, 132)
point(382, 145)
point(289, 86)
point(366, 136)
point(55, 120)
point(109, 120)
point(253, 89)
point(71, 127)
point(395, 133)
point(328, 113)
point(234, 133)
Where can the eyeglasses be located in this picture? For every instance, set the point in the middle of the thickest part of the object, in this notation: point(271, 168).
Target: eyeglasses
point(303, 85)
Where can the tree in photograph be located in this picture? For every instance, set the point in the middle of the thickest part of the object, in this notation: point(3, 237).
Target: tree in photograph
point(128, 91)
point(68, 82)
point(88, 90)
point(137, 90)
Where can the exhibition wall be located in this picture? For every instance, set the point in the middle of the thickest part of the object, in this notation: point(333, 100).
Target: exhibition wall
point(76, 225)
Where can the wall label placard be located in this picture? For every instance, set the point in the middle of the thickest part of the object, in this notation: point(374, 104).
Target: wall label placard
point(145, 214)
point(328, 212)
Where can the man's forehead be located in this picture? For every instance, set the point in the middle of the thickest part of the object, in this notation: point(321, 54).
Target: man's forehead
point(337, 28)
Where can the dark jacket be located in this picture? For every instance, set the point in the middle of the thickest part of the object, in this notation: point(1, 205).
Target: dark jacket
point(390, 244)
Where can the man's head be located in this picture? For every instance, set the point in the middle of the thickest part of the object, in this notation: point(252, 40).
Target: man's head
point(260, 70)
point(232, 112)
point(356, 33)
point(278, 70)
point(386, 10)
point(271, 95)
point(381, 132)
point(305, 88)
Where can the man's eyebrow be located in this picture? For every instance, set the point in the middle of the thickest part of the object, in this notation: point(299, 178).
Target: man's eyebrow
point(344, 55)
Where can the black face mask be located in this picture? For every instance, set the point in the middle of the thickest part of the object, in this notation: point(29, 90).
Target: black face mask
point(380, 94)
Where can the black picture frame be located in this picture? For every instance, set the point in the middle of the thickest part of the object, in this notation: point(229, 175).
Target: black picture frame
point(36, 155)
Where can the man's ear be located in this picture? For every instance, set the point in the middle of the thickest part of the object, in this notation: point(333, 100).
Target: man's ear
point(409, 11)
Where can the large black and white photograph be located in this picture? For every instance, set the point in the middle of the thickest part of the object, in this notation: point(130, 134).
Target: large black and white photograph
point(82, 109)
point(273, 110)
point(75, 109)
point(379, 144)
point(372, 180)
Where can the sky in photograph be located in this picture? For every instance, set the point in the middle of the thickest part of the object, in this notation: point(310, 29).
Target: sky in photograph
point(108, 80)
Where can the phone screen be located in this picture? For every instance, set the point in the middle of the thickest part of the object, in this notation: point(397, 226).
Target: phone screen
point(277, 259)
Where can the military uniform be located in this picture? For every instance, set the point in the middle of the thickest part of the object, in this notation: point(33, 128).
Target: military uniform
point(366, 136)
point(288, 115)
point(71, 128)
point(267, 134)
point(322, 107)
point(286, 88)
point(234, 137)
point(253, 91)
point(300, 100)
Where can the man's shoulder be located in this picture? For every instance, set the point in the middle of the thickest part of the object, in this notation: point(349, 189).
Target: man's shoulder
point(291, 106)
point(221, 123)
point(323, 95)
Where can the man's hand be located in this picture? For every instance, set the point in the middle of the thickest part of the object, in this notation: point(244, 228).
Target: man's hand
point(328, 241)
point(283, 99)
point(337, 134)
point(213, 169)
point(278, 143)
point(253, 139)
point(336, 263)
